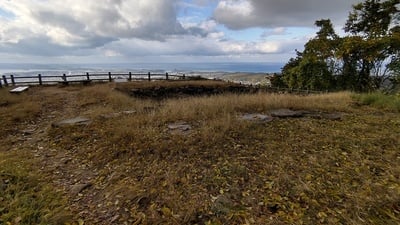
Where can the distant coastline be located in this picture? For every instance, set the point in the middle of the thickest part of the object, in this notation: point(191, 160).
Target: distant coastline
point(240, 67)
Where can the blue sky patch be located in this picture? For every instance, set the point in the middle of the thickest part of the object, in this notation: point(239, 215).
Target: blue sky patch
point(6, 14)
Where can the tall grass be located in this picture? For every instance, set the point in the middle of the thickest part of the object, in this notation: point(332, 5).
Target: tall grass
point(196, 108)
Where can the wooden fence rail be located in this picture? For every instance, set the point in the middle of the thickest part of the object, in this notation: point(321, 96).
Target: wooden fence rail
point(85, 78)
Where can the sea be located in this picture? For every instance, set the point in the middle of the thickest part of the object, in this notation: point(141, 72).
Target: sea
point(208, 70)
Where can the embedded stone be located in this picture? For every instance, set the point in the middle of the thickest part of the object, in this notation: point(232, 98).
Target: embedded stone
point(257, 118)
point(72, 122)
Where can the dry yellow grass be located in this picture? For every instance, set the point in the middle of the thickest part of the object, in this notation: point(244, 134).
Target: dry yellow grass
point(15, 108)
point(229, 104)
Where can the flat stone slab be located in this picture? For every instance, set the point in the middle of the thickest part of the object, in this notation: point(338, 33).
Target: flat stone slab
point(19, 89)
point(179, 127)
point(72, 122)
point(286, 113)
point(332, 116)
point(328, 116)
point(257, 117)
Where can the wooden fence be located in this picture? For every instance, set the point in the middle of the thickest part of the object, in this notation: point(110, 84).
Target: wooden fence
point(85, 78)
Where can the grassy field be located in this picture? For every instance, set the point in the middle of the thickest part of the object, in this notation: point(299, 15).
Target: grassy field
point(127, 167)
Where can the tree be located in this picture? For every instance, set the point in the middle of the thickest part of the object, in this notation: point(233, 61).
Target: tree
point(372, 18)
point(394, 65)
point(314, 67)
point(349, 54)
point(361, 61)
point(370, 25)
point(290, 72)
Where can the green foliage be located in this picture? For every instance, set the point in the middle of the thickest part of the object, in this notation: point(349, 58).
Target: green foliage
point(314, 68)
point(278, 81)
point(362, 61)
point(372, 18)
point(290, 72)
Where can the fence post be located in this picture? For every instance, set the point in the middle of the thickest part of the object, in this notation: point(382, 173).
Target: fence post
point(5, 80)
point(166, 76)
point(12, 80)
point(149, 76)
point(109, 76)
point(130, 76)
point(87, 76)
point(1, 85)
point(40, 79)
point(183, 76)
point(64, 77)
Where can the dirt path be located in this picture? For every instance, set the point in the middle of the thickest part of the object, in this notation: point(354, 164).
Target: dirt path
point(60, 166)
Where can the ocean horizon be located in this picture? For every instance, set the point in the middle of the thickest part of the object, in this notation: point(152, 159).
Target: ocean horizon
point(214, 67)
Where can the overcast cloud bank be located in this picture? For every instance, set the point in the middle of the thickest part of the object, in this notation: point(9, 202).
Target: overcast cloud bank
point(164, 30)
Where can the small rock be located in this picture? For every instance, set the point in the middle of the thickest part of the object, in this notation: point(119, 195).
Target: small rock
point(257, 118)
point(28, 132)
point(72, 122)
point(129, 112)
point(179, 127)
point(332, 116)
point(328, 116)
point(286, 113)
point(78, 188)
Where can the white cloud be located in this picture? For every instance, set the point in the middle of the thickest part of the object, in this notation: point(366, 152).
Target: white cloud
point(282, 13)
point(76, 22)
point(242, 8)
point(111, 53)
point(275, 32)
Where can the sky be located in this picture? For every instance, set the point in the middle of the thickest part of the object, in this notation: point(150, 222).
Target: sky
point(112, 31)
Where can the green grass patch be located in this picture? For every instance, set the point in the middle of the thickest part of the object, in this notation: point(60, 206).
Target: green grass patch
point(379, 100)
